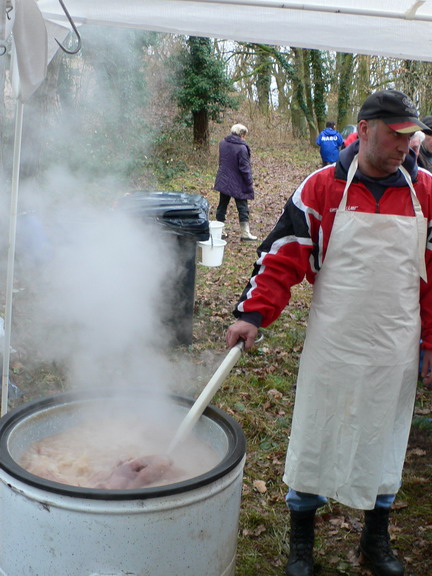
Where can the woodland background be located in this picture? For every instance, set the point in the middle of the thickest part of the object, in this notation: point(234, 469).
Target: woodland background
point(129, 98)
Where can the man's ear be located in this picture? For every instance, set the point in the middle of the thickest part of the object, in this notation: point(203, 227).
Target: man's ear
point(363, 128)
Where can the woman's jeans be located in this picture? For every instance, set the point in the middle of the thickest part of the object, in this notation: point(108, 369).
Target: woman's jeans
point(303, 502)
point(242, 208)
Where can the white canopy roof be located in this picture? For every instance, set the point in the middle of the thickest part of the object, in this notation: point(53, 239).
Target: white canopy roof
point(394, 28)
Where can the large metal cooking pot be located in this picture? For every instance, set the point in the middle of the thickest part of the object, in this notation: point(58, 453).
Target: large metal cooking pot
point(186, 528)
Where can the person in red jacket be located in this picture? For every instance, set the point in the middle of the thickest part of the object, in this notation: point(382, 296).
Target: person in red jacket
point(350, 139)
point(358, 232)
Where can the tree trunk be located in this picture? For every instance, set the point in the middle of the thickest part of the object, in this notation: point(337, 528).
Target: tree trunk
point(281, 81)
point(319, 99)
point(201, 128)
point(199, 49)
point(411, 78)
point(299, 102)
point(363, 78)
point(346, 66)
point(308, 83)
point(263, 81)
point(425, 89)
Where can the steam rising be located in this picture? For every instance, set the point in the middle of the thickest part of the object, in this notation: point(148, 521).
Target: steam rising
point(97, 284)
point(101, 285)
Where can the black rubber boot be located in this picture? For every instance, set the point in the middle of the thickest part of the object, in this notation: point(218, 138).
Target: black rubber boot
point(375, 544)
point(300, 561)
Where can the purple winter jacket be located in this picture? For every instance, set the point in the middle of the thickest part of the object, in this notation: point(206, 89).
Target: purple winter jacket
point(234, 176)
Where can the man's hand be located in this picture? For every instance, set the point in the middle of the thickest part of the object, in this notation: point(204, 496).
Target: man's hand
point(426, 372)
point(241, 330)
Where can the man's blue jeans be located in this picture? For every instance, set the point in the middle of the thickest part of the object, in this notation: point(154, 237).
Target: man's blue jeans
point(303, 502)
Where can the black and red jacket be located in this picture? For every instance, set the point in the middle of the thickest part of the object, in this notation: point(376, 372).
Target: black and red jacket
point(296, 248)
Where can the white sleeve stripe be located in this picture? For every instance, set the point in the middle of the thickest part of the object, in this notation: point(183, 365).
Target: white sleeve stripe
point(275, 247)
point(297, 197)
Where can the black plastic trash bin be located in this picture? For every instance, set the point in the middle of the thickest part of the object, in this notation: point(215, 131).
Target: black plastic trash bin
point(185, 216)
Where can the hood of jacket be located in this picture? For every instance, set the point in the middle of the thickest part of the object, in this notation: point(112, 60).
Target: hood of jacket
point(234, 139)
point(329, 132)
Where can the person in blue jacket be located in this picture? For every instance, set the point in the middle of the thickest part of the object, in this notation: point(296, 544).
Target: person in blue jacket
point(329, 141)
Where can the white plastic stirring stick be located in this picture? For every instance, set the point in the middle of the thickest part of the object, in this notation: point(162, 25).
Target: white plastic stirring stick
point(206, 395)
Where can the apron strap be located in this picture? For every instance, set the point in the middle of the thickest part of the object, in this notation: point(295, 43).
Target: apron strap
point(421, 225)
point(351, 173)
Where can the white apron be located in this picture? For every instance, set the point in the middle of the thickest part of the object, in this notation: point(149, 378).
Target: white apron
point(359, 367)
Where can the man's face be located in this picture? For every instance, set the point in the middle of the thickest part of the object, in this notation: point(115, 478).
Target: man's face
point(382, 150)
point(427, 144)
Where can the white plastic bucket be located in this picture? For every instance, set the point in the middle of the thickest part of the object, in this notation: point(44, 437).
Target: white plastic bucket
point(212, 252)
point(216, 229)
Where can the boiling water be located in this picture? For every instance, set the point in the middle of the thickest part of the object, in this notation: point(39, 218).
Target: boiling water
point(86, 454)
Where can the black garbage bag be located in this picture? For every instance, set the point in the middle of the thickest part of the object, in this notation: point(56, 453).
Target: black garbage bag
point(185, 216)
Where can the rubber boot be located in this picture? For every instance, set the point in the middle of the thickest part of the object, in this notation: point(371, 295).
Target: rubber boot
point(375, 544)
point(245, 232)
point(300, 560)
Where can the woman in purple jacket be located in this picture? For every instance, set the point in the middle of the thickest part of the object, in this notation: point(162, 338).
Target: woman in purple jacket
point(234, 178)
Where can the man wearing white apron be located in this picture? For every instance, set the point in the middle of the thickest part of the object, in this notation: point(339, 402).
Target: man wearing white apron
point(357, 230)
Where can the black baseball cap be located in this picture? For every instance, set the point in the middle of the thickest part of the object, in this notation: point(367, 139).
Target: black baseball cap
point(395, 109)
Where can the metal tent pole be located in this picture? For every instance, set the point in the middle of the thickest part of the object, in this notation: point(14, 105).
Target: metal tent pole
point(11, 253)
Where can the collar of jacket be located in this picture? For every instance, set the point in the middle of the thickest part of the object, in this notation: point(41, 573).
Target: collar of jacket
point(234, 139)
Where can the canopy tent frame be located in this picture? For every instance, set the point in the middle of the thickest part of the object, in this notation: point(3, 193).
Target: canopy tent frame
point(409, 14)
point(28, 71)
point(13, 212)
point(398, 28)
